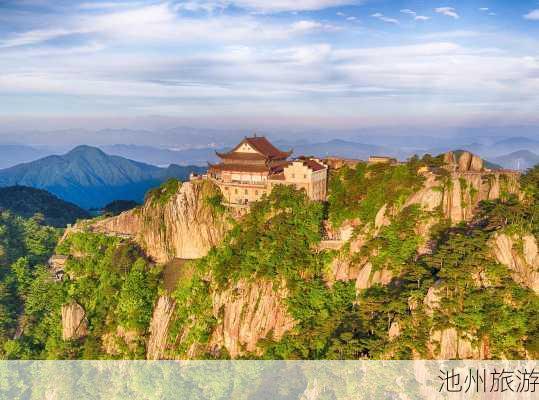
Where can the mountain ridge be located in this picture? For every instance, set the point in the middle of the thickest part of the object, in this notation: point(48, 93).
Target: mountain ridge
point(519, 160)
point(89, 177)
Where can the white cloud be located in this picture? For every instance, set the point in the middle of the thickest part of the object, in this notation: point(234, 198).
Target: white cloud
point(160, 24)
point(457, 34)
point(351, 18)
point(382, 17)
point(447, 11)
point(290, 5)
point(284, 79)
point(149, 57)
point(414, 15)
point(208, 6)
point(408, 11)
point(532, 15)
point(484, 9)
point(33, 37)
point(304, 26)
point(106, 5)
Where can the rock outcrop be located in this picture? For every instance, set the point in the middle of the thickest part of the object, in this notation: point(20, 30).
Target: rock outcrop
point(366, 278)
point(74, 322)
point(449, 344)
point(159, 328)
point(467, 184)
point(248, 312)
point(184, 226)
point(429, 197)
point(381, 218)
point(521, 256)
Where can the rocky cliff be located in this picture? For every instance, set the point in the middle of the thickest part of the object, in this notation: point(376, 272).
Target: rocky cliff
point(243, 312)
point(184, 225)
point(159, 328)
point(520, 255)
point(246, 313)
point(463, 183)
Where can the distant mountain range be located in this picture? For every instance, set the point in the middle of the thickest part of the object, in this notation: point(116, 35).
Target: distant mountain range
point(198, 148)
point(164, 157)
point(13, 154)
point(496, 152)
point(26, 202)
point(90, 178)
point(520, 160)
point(201, 156)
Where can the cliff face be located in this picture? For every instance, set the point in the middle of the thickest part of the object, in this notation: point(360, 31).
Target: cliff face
point(453, 195)
point(520, 255)
point(464, 191)
point(184, 226)
point(248, 312)
point(466, 184)
point(449, 344)
point(159, 328)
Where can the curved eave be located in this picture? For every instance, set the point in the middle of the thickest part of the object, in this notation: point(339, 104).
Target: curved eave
point(221, 155)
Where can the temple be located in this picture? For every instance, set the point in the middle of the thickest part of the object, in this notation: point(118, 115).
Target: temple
point(255, 166)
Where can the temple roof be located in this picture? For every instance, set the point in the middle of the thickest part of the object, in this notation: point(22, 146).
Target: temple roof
point(241, 156)
point(259, 144)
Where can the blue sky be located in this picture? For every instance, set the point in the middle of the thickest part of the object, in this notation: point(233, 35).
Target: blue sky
point(342, 63)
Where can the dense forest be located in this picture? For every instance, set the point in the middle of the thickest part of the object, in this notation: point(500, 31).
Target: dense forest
point(27, 202)
point(278, 241)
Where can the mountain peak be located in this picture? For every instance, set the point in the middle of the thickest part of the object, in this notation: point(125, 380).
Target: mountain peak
point(85, 149)
point(90, 178)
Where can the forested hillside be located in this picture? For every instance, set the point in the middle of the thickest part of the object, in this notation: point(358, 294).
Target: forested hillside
point(28, 297)
point(415, 260)
point(27, 202)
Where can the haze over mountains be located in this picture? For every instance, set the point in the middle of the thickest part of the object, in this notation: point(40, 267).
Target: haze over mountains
point(125, 170)
point(518, 160)
point(90, 178)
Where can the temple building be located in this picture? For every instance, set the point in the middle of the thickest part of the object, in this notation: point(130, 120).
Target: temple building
point(255, 166)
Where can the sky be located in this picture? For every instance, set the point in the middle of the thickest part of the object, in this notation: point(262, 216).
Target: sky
point(332, 63)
